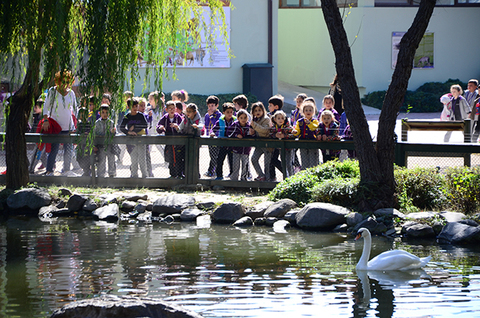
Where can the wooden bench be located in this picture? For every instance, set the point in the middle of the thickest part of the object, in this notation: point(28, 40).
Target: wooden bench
point(451, 125)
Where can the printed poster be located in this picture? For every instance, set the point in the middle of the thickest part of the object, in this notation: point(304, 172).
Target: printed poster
point(211, 52)
point(423, 56)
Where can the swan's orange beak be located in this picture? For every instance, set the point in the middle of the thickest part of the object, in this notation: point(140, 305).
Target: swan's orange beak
point(359, 235)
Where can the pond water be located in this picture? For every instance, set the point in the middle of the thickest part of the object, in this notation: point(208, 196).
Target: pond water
point(222, 271)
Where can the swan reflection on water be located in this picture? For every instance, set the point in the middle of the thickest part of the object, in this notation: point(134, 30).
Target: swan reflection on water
point(379, 285)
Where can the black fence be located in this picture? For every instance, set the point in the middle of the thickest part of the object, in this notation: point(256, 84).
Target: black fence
point(194, 155)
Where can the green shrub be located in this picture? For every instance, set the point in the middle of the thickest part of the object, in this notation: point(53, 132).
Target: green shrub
point(334, 169)
point(337, 191)
point(463, 188)
point(419, 187)
point(425, 99)
point(374, 99)
point(298, 188)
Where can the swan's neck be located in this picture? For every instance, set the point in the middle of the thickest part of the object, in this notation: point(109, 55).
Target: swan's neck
point(367, 245)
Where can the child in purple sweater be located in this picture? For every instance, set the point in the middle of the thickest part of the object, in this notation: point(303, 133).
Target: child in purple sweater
point(174, 155)
point(211, 118)
point(240, 129)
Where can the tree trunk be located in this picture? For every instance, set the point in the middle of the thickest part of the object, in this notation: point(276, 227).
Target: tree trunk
point(396, 91)
point(369, 165)
point(18, 113)
point(376, 163)
point(16, 147)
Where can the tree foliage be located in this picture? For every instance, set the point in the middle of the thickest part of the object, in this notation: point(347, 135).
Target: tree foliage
point(99, 40)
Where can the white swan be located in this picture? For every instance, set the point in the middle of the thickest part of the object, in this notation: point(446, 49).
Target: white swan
point(389, 260)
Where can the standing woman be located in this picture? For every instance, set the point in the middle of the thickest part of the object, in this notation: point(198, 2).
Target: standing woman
point(60, 105)
point(336, 92)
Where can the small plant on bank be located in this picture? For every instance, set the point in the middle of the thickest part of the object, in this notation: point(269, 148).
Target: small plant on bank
point(341, 191)
point(419, 188)
point(462, 188)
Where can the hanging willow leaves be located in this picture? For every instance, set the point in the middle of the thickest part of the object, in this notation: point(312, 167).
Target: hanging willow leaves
point(99, 40)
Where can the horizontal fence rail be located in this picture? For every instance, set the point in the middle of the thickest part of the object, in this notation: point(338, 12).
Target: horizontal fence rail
point(196, 152)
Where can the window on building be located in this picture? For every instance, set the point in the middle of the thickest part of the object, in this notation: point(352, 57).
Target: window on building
point(440, 3)
point(315, 3)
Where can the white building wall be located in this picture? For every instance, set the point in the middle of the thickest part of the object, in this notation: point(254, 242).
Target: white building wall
point(249, 44)
point(306, 56)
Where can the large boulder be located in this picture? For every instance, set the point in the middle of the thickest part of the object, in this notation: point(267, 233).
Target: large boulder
point(453, 216)
point(190, 215)
point(258, 210)
point(228, 213)
point(321, 216)
point(31, 198)
point(76, 202)
point(172, 204)
point(390, 212)
point(423, 216)
point(417, 230)
point(122, 306)
point(280, 208)
point(107, 212)
point(108, 199)
point(244, 221)
point(135, 196)
point(459, 233)
point(128, 206)
point(353, 218)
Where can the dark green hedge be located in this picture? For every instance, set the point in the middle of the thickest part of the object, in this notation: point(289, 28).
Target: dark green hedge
point(425, 99)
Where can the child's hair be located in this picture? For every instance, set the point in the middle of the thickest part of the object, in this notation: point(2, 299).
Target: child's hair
point(226, 106)
point(107, 96)
point(128, 94)
point(179, 106)
point(181, 94)
point(39, 102)
point(308, 104)
point(278, 114)
point(132, 101)
point(170, 103)
point(301, 96)
point(473, 81)
point(142, 100)
point(276, 100)
point(330, 97)
point(156, 97)
point(64, 76)
point(91, 99)
point(457, 87)
point(258, 104)
point(242, 112)
point(104, 106)
point(310, 99)
point(82, 114)
point(193, 107)
point(326, 113)
point(212, 100)
point(241, 100)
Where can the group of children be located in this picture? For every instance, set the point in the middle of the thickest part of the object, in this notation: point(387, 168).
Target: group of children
point(175, 117)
